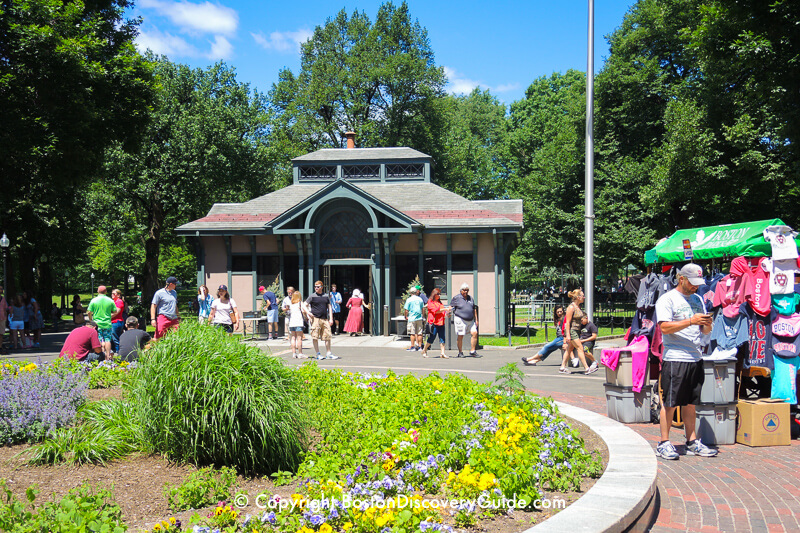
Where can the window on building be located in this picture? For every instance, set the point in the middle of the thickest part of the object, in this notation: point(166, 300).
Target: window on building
point(356, 172)
point(409, 170)
point(462, 262)
point(318, 172)
point(242, 263)
point(268, 268)
point(435, 272)
point(406, 269)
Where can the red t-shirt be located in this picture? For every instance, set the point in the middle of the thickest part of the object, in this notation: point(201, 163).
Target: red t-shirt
point(436, 312)
point(80, 342)
point(120, 303)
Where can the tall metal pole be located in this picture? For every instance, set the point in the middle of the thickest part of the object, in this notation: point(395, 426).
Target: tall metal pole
point(589, 216)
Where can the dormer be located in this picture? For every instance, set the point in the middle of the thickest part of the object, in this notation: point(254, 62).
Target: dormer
point(376, 165)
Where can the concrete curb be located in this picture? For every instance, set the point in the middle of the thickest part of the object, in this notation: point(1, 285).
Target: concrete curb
point(625, 490)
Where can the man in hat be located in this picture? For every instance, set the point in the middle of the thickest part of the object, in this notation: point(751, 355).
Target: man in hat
point(101, 308)
point(164, 308)
point(683, 320)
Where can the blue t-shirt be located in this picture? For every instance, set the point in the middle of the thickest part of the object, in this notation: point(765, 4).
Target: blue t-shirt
point(205, 304)
point(336, 300)
point(414, 307)
point(270, 300)
point(166, 303)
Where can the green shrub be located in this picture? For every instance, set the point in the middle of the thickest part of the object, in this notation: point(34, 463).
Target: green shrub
point(81, 510)
point(202, 396)
point(201, 489)
point(106, 430)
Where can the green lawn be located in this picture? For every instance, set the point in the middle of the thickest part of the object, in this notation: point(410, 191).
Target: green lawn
point(486, 340)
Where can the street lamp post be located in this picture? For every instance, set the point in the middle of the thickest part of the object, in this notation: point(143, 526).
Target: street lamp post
point(4, 244)
point(92, 291)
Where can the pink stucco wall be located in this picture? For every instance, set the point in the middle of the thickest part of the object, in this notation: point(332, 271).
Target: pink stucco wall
point(486, 284)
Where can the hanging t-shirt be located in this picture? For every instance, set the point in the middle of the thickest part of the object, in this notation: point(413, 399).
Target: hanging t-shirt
point(729, 333)
point(760, 336)
point(784, 379)
point(781, 238)
point(646, 298)
point(731, 293)
point(781, 274)
point(785, 335)
point(666, 282)
point(785, 304)
point(706, 292)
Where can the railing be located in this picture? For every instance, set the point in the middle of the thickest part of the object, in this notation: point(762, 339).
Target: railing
point(615, 311)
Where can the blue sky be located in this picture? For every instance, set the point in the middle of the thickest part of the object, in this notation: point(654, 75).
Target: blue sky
point(500, 45)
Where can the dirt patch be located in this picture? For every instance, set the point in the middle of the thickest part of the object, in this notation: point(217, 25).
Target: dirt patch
point(138, 484)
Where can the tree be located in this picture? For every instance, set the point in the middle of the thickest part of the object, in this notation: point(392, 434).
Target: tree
point(376, 79)
point(71, 83)
point(473, 136)
point(205, 143)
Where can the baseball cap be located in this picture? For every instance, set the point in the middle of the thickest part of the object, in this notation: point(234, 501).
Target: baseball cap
point(223, 288)
point(173, 280)
point(261, 288)
point(694, 273)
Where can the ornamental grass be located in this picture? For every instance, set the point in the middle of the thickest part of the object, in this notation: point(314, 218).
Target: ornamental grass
point(203, 397)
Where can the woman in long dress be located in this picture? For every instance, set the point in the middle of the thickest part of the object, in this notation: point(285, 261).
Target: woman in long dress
point(355, 317)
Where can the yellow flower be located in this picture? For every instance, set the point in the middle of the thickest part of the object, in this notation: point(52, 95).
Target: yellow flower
point(325, 528)
point(381, 521)
point(347, 526)
point(172, 520)
point(165, 524)
point(157, 527)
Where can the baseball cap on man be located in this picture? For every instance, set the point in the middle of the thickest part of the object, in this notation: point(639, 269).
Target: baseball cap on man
point(173, 280)
point(694, 273)
point(261, 288)
point(223, 288)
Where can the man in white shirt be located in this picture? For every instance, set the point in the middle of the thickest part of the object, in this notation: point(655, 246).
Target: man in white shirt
point(685, 326)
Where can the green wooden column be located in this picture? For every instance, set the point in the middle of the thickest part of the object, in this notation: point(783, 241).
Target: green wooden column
point(280, 263)
point(229, 260)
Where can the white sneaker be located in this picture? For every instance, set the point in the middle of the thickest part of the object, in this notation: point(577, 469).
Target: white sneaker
point(592, 369)
point(320, 357)
point(331, 356)
point(574, 362)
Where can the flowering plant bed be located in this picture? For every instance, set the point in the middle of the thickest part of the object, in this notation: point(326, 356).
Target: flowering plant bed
point(388, 453)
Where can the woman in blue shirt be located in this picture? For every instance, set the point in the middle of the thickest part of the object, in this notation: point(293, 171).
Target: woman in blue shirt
point(204, 300)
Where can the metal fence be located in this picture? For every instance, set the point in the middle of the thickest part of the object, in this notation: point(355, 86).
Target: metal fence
point(613, 311)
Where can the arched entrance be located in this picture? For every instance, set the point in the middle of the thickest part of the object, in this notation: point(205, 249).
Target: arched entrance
point(345, 253)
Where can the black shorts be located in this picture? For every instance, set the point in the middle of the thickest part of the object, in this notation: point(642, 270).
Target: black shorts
point(681, 383)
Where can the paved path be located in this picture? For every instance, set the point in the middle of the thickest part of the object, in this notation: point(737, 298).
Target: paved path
point(743, 489)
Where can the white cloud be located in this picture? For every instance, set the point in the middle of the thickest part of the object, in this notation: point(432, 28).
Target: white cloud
point(164, 44)
point(457, 83)
point(221, 48)
point(205, 17)
point(286, 42)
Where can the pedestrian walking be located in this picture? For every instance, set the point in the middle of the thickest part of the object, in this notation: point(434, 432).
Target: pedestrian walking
point(437, 312)
point(465, 319)
point(572, 339)
point(164, 308)
point(320, 314)
point(204, 301)
point(77, 310)
point(286, 305)
point(16, 321)
point(295, 328)
point(355, 317)
point(224, 313)
point(336, 305)
point(412, 310)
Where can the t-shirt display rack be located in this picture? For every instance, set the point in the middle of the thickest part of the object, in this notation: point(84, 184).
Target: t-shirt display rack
point(761, 297)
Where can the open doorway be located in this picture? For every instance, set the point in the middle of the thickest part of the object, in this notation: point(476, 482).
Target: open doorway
point(347, 278)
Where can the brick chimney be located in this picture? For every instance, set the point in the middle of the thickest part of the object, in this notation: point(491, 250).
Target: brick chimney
point(351, 139)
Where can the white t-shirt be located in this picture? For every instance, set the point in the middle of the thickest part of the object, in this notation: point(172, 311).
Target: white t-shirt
point(686, 344)
point(782, 240)
point(296, 315)
point(781, 274)
point(287, 302)
point(222, 311)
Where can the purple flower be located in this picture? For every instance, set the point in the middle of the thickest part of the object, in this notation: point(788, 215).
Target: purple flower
point(317, 520)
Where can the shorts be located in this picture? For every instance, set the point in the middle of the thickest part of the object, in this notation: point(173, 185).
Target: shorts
point(298, 329)
point(574, 334)
point(272, 316)
point(681, 382)
point(16, 325)
point(164, 324)
point(588, 347)
point(416, 327)
point(436, 331)
point(463, 326)
point(320, 329)
point(226, 327)
point(105, 335)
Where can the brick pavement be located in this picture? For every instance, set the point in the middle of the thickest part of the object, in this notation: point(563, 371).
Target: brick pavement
point(742, 489)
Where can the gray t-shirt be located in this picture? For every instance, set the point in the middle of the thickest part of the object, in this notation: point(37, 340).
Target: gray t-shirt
point(686, 344)
point(463, 308)
point(166, 303)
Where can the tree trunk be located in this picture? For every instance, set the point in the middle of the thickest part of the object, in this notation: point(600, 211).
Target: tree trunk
point(150, 281)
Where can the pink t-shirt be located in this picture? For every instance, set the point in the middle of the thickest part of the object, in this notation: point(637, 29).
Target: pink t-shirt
point(120, 303)
point(731, 293)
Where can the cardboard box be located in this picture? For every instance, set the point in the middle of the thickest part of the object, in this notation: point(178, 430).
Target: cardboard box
point(763, 422)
